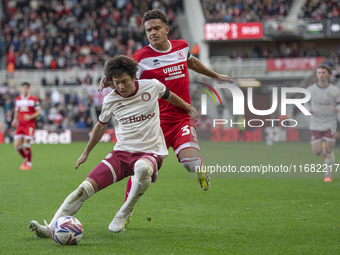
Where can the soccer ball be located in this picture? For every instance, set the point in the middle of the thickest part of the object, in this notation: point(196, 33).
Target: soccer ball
point(67, 231)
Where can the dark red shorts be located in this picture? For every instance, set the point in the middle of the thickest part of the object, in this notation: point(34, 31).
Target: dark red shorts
point(180, 135)
point(119, 164)
point(328, 135)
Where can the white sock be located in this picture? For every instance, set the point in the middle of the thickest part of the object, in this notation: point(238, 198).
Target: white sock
point(193, 165)
point(329, 160)
point(74, 201)
point(141, 182)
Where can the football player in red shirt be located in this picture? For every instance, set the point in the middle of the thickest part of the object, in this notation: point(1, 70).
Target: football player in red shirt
point(27, 109)
point(168, 61)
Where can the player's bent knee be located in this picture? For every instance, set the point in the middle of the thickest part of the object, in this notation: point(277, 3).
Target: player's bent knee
point(143, 169)
point(86, 187)
point(75, 200)
point(94, 184)
point(192, 164)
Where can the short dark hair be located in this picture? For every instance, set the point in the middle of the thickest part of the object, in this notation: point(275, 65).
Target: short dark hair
point(156, 14)
point(118, 65)
point(25, 84)
point(328, 68)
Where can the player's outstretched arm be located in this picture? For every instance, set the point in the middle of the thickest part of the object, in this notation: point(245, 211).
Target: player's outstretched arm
point(179, 102)
point(197, 66)
point(97, 133)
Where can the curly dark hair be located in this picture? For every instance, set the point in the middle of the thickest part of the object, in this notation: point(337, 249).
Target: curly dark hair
point(118, 65)
point(156, 14)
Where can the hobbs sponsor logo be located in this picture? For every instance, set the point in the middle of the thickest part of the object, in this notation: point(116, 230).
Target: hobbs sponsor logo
point(134, 119)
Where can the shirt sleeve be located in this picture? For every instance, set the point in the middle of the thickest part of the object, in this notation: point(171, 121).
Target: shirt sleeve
point(36, 104)
point(160, 88)
point(166, 94)
point(106, 113)
point(189, 55)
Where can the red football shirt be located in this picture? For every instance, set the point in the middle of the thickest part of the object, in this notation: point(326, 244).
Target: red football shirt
point(26, 105)
point(169, 67)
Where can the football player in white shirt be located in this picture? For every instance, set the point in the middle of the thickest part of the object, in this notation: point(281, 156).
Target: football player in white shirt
point(324, 107)
point(169, 61)
point(140, 146)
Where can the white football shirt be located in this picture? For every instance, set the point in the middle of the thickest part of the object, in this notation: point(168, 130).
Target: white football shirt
point(137, 124)
point(323, 100)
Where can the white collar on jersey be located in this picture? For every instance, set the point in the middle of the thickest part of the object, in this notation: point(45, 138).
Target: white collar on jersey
point(22, 96)
point(161, 51)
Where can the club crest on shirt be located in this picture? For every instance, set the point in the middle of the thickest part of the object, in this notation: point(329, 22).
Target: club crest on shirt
point(146, 96)
point(180, 55)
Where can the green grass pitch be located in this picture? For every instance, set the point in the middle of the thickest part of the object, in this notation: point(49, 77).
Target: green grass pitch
point(280, 214)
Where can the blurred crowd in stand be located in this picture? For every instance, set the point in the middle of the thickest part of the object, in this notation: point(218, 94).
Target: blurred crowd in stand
point(85, 33)
point(69, 34)
point(244, 10)
point(320, 9)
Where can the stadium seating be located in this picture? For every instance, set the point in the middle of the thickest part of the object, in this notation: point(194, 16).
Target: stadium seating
point(319, 10)
point(267, 11)
point(65, 34)
point(82, 35)
point(50, 35)
point(244, 11)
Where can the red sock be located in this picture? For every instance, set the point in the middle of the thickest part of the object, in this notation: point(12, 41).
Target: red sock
point(28, 154)
point(128, 188)
point(22, 152)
